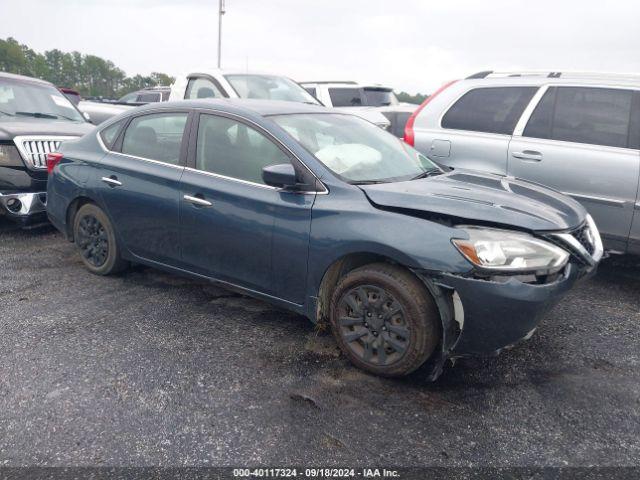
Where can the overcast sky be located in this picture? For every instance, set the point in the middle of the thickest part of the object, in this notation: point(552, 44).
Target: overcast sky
point(411, 45)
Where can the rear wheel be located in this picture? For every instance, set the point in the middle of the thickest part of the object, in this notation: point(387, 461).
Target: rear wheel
point(384, 319)
point(95, 238)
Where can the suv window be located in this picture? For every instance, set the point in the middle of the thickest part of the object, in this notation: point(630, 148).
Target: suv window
point(346, 97)
point(110, 134)
point(489, 110)
point(634, 129)
point(312, 91)
point(233, 149)
point(202, 88)
point(156, 136)
point(597, 116)
point(129, 98)
point(149, 97)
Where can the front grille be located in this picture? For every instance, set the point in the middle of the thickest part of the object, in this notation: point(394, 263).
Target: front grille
point(584, 236)
point(34, 149)
point(583, 243)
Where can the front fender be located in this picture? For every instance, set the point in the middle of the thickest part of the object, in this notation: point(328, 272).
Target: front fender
point(345, 223)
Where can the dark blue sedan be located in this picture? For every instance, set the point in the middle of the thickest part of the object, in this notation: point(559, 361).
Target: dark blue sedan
point(327, 215)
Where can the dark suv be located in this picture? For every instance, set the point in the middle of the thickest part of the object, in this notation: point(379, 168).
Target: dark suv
point(35, 118)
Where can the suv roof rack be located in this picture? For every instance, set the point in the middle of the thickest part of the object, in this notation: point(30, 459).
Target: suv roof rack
point(322, 82)
point(557, 74)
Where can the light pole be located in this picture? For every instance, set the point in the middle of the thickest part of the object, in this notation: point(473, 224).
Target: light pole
point(221, 12)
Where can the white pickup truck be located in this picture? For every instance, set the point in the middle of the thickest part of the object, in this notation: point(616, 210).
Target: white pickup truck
point(216, 83)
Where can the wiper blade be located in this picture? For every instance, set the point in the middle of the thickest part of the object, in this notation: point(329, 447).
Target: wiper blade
point(37, 114)
point(9, 114)
point(367, 182)
point(427, 173)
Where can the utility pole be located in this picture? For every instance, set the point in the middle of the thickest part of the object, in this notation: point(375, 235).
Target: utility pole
point(221, 12)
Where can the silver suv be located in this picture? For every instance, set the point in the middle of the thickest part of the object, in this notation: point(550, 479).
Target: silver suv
point(577, 133)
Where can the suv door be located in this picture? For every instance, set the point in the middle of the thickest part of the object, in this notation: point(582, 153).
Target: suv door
point(634, 139)
point(140, 184)
point(577, 141)
point(474, 133)
point(234, 227)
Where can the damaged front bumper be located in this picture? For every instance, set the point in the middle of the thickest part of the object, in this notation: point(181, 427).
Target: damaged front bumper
point(26, 208)
point(481, 317)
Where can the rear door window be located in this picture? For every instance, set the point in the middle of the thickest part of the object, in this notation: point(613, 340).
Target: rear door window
point(489, 110)
point(155, 136)
point(596, 116)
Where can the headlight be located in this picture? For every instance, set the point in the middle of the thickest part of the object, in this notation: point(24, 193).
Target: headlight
point(509, 251)
point(9, 156)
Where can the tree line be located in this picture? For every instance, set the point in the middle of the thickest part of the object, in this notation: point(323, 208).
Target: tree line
point(90, 75)
point(418, 98)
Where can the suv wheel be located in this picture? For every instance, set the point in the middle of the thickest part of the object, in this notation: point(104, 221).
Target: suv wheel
point(384, 319)
point(95, 238)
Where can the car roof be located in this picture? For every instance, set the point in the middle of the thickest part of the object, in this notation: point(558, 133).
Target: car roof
point(233, 105)
point(346, 84)
point(555, 78)
point(213, 71)
point(22, 78)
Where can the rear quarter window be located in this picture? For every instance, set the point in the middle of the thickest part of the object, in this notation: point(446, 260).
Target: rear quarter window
point(489, 110)
point(110, 134)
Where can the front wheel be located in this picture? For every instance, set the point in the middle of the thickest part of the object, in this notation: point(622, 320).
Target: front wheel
point(384, 319)
point(94, 236)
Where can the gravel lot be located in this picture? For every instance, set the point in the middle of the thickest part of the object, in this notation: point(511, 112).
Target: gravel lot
point(153, 369)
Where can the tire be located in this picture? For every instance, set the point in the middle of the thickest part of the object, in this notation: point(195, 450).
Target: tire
point(384, 319)
point(94, 236)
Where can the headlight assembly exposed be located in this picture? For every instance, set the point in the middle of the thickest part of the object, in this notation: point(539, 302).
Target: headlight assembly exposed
point(509, 251)
point(9, 156)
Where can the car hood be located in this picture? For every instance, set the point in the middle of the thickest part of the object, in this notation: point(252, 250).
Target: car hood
point(485, 198)
point(11, 127)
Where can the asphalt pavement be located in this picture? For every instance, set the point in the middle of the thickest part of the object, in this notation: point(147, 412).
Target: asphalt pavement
point(147, 368)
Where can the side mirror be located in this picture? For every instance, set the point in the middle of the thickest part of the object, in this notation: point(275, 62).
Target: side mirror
point(86, 116)
point(280, 176)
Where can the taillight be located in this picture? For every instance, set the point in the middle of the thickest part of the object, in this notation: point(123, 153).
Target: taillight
point(409, 135)
point(52, 160)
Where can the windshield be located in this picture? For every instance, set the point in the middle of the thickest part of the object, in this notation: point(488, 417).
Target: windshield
point(269, 87)
point(380, 97)
point(26, 99)
point(355, 149)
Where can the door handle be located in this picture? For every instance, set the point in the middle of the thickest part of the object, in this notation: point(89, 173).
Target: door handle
point(197, 201)
point(530, 155)
point(112, 181)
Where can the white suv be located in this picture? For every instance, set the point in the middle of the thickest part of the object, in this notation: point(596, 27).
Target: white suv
point(375, 103)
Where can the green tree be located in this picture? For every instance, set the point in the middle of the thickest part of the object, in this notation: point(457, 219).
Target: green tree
point(418, 98)
point(89, 74)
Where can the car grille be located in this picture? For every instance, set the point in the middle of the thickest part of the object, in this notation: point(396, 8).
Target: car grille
point(583, 243)
point(585, 239)
point(34, 149)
